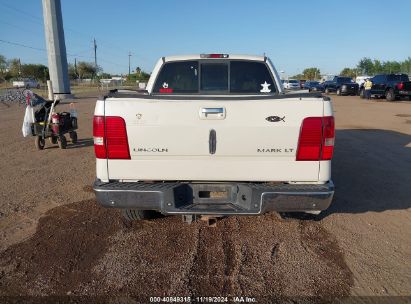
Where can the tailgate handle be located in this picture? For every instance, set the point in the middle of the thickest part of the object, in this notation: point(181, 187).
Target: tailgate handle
point(212, 110)
point(212, 113)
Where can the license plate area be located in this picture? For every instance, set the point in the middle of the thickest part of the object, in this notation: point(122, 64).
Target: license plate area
point(212, 199)
point(213, 192)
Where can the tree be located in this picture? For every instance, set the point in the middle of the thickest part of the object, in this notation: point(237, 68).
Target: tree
point(37, 71)
point(312, 73)
point(105, 76)
point(366, 66)
point(347, 72)
point(406, 66)
point(87, 69)
point(72, 73)
point(14, 67)
point(3, 65)
point(298, 76)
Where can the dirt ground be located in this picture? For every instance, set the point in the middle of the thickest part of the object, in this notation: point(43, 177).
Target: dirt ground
point(55, 240)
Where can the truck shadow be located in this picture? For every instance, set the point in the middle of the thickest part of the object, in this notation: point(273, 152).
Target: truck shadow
point(371, 170)
point(81, 143)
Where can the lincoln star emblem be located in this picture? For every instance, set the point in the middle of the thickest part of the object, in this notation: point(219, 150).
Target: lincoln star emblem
point(275, 118)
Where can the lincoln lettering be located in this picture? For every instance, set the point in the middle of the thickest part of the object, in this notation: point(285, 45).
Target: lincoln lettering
point(151, 150)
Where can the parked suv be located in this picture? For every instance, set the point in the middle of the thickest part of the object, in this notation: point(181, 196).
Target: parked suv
point(392, 86)
point(341, 85)
point(313, 86)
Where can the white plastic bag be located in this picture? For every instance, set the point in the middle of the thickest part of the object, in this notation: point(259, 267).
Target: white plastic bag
point(28, 120)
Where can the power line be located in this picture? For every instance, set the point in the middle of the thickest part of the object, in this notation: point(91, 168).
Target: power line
point(23, 45)
point(39, 20)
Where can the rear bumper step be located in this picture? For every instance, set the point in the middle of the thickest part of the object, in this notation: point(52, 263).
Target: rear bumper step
point(214, 199)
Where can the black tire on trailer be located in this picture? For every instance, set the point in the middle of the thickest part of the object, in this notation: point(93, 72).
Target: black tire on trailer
point(390, 95)
point(73, 137)
point(39, 142)
point(62, 142)
point(138, 215)
point(53, 140)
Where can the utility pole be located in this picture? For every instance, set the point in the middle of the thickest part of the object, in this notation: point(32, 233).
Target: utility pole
point(129, 55)
point(56, 48)
point(75, 67)
point(95, 54)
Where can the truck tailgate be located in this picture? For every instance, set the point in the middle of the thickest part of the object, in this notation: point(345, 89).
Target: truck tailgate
point(225, 140)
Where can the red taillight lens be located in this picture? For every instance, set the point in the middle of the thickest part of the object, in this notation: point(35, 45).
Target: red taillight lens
point(99, 138)
point(400, 86)
point(117, 142)
point(316, 140)
point(309, 143)
point(110, 137)
point(328, 138)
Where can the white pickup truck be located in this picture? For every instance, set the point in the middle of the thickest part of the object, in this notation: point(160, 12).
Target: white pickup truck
point(26, 83)
point(215, 135)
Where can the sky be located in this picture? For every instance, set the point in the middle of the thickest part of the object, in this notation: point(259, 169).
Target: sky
point(330, 35)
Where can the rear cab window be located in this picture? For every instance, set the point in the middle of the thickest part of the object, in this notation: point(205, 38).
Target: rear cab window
point(215, 77)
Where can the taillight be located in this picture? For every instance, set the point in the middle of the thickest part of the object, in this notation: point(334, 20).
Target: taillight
point(316, 141)
point(98, 136)
point(110, 137)
point(400, 86)
point(328, 138)
point(214, 56)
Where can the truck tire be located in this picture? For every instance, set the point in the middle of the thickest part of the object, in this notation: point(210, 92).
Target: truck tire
point(138, 215)
point(39, 142)
point(62, 142)
point(327, 91)
point(339, 92)
point(390, 95)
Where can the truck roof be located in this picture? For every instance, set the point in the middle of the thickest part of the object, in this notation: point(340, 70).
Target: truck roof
point(199, 56)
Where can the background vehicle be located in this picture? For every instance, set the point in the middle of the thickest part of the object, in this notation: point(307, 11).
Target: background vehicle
point(222, 141)
point(313, 86)
point(361, 79)
point(341, 85)
point(26, 83)
point(302, 81)
point(291, 84)
point(390, 86)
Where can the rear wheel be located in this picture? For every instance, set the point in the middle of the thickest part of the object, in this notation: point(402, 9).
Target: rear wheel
point(327, 91)
point(339, 92)
point(62, 142)
point(39, 143)
point(138, 215)
point(53, 140)
point(73, 137)
point(390, 95)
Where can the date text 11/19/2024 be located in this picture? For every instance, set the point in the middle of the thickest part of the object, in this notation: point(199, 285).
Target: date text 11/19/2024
point(223, 299)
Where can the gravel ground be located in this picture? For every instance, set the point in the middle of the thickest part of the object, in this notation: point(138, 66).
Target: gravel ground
point(55, 239)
